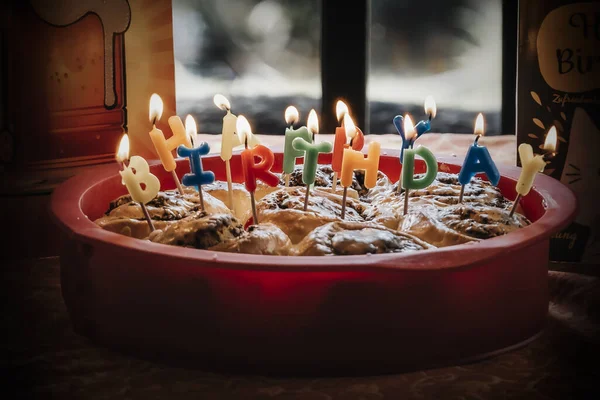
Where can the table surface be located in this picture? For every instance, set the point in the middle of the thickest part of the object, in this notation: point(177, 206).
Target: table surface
point(44, 358)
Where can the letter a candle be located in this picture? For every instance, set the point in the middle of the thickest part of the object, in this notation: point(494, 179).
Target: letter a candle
point(354, 159)
point(357, 141)
point(251, 169)
point(141, 184)
point(408, 179)
point(197, 177)
point(311, 152)
point(531, 165)
point(478, 159)
point(164, 147)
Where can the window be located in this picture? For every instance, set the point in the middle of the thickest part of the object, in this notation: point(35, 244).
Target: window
point(447, 48)
point(262, 55)
point(382, 56)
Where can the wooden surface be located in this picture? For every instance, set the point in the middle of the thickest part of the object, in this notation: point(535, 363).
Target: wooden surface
point(43, 358)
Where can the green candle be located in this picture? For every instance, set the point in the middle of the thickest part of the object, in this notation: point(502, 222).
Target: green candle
point(408, 179)
point(311, 154)
point(289, 152)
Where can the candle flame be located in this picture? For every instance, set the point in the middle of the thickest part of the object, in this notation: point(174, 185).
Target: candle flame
point(313, 122)
point(191, 129)
point(409, 128)
point(341, 109)
point(430, 106)
point(291, 115)
point(479, 125)
point(243, 130)
point(551, 140)
point(349, 126)
point(123, 151)
point(156, 108)
point(221, 102)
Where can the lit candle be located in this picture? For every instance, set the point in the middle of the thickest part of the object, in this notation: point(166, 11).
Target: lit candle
point(164, 147)
point(408, 167)
point(311, 151)
point(229, 140)
point(290, 153)
point(421, 128)
point(424, 126)
point(355, 159)
point(357, 140)
point(478, 159)
point(251, 169)
point(140, 183)
point(531, 165)
point(197, 176)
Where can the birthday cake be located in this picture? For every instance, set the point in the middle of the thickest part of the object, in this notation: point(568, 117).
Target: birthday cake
point(373, 223)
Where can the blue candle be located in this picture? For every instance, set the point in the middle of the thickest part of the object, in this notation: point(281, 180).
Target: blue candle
point(197, 176)
point(478, 160)
point(420, 128)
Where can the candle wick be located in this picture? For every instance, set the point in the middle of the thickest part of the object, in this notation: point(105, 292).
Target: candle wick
point(548, 155)
point(246, 142)
point(477, 139)
point(430, 117)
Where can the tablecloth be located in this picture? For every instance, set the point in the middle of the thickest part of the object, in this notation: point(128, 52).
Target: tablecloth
point(44, 359)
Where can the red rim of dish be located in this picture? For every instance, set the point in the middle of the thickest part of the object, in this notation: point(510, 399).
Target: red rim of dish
point(560, 205)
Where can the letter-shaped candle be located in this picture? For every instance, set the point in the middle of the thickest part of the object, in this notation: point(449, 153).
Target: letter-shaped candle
point(408, 180)
point(478, 159)
point(531, 165)
point(229, 140)
point(290, 153)
point(252, 170)
point(134, 181)
point(354, 160)
point(163, 146)
point(197, 177)
point(340, 142)
point(311, 152)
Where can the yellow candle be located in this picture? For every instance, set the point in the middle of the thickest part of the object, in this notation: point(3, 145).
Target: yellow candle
point(356, 160)
point(229, 138)
point(531, 164)
point(141, 184)
point(164, 147)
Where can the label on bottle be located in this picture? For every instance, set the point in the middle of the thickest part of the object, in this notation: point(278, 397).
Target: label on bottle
point(559, 85)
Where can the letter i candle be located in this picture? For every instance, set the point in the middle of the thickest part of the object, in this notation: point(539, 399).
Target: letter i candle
point(141, 184)
point(478, 159)
point(197, 177)
point(531, 165)
point(311, 152)
point(252, 170)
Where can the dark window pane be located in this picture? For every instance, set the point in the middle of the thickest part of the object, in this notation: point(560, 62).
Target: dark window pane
point(262, 55)
point(451, 49)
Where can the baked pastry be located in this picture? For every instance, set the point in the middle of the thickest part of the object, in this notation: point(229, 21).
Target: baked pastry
point(126, 217)
point(266, 239)
point(199, 230)
point(285, 209)
point(352, 238)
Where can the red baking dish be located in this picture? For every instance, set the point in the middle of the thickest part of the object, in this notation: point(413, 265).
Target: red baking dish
point(313, 315)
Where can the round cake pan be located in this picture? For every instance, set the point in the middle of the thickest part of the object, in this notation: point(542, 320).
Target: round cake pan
point(313, 315)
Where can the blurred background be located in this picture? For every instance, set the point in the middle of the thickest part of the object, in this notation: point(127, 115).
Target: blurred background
point(264, 55)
